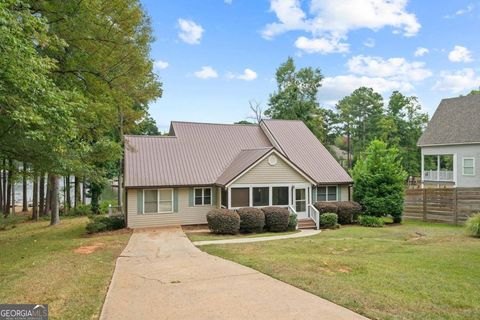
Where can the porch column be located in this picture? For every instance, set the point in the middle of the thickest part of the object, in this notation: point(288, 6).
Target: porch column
point(438, 168)
point(422, 167)
point(229, 195)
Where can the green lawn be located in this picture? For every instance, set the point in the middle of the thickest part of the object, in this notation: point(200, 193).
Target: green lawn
point(411, 271)
point(207, 236)
point(38, 264)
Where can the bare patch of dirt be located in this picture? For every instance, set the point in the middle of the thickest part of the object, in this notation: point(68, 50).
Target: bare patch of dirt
point(344, 269)
point(89, 249)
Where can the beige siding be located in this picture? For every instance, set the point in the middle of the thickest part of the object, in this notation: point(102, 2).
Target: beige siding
point(185, 215)
point(264, 173)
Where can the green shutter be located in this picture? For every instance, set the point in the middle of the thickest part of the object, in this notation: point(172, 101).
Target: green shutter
point(190, 197)
point(214, 196)
point(139, 201)
point(314, 194)
point(175, 200)
point(339, 194)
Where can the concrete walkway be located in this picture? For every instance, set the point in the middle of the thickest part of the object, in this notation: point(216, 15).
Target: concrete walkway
point(300, 234)
point(161, 275)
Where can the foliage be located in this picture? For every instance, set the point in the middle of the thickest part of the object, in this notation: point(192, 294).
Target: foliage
point(276, 219)
point(103, 207)
point(292, 222)
point(379, 181)
point(105, 223)
point(328, 220)
point(251, 220)
point(472, 225)
point(326, 206)
point(11, 221)
point(82, 210)
point(370, 221)
point(348, 211)
point(223, 221)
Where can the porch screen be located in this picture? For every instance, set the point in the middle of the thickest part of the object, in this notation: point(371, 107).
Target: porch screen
point(260, 196)
point(279, 196)
point(240, 197)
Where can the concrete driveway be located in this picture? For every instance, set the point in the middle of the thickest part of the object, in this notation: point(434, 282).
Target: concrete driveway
point(161, 275)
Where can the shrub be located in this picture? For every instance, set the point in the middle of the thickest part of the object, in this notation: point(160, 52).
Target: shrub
point(251, 220)
point(223, 221)
point(81, 210)
point(370, 221)
point(348, 211)
point(105, 223)
point(328, 220)
point(326, 207)
point(473, 225)
point(276, 219)
point(379, 180)
point(292, 222)
point(103, 207)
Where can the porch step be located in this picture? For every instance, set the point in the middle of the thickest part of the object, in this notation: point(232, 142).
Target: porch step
point(306, 224)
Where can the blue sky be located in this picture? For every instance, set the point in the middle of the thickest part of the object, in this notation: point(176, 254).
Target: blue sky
point(213, 56)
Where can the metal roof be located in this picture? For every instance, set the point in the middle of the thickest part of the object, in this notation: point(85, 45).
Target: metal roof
point(456, 121)
point(207, 154)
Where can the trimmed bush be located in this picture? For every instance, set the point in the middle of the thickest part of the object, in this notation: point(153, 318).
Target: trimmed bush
point(326, 207)
point(328, 220)
point(251, 220)
point(276, 219)
point(348, 211)
point(105, 223)
point(473, 225)
point(292, 222)
point(223, 221)
point(370, 221)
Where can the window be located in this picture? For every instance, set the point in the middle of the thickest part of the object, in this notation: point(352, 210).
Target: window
point(279, 196)
point(468, 166)
point(261, 196)
point(158, 201)
point(203, 196)
point(240, 197)
point(327, 193)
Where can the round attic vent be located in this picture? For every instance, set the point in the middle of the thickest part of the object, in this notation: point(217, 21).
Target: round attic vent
point(272, 160)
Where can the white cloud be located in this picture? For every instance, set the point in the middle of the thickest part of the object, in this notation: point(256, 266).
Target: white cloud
point(329, 22)
point(457, 81)
point(460, 12)
point(160, 65)
point(228, 1)
point(420, 52)
point(247, 75)
point(320, 45)
point(460, 54)
point(190, 32)
point(393, 68)
point(206, 72)
point(370, 42)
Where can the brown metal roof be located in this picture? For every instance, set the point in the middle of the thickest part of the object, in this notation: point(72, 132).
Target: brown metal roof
point(301, 147)
point(206, 154)
point(242, 161)
point(455, 121)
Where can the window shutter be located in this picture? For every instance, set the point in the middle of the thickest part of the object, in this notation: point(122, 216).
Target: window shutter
point(139, 201)
point(339, 193)
point(214, 196)
point(175, 200)
point(190, 197)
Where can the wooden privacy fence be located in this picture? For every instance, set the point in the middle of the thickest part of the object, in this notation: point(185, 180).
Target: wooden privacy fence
point(452, 205)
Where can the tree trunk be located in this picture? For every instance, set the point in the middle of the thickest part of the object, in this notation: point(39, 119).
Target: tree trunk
point(84, 192)
point(77, 195)
point(41, 196)
point(95, 190)
point(8, 196)
point(68, 195)
point(4, 189)
point(55, 216)
point(12, 184)
point(64, 194)
point(35, 198)
point(48, 197)
point(24, 189)
point(2, 199)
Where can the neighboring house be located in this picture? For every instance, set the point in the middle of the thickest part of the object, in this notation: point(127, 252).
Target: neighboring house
point(178, 179)
point(340, 155)
point(451, 144)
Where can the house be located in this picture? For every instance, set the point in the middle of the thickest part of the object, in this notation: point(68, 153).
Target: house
point(340, 155)
point(451, 144)
point(179, 178)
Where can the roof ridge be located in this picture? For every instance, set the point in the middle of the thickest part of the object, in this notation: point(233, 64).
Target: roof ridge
point(218, 124)
point(147, 136)
point(260, 148)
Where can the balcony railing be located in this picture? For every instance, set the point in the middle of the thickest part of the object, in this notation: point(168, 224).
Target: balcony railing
point(435, 175)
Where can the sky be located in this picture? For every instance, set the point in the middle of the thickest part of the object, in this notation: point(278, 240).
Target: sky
point(214, 56)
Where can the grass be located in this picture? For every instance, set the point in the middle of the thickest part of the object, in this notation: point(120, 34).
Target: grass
point(207, 236)
point(412, 271)
point(38, 264)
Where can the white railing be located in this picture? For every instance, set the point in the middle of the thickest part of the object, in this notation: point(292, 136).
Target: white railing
point(314, 214)
point(435, 175)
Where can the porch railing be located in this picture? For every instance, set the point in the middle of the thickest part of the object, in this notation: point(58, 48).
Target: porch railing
point(435, 175)
point(314, 214)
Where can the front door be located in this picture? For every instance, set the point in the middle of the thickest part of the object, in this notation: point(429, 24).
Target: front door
point(301, 202)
